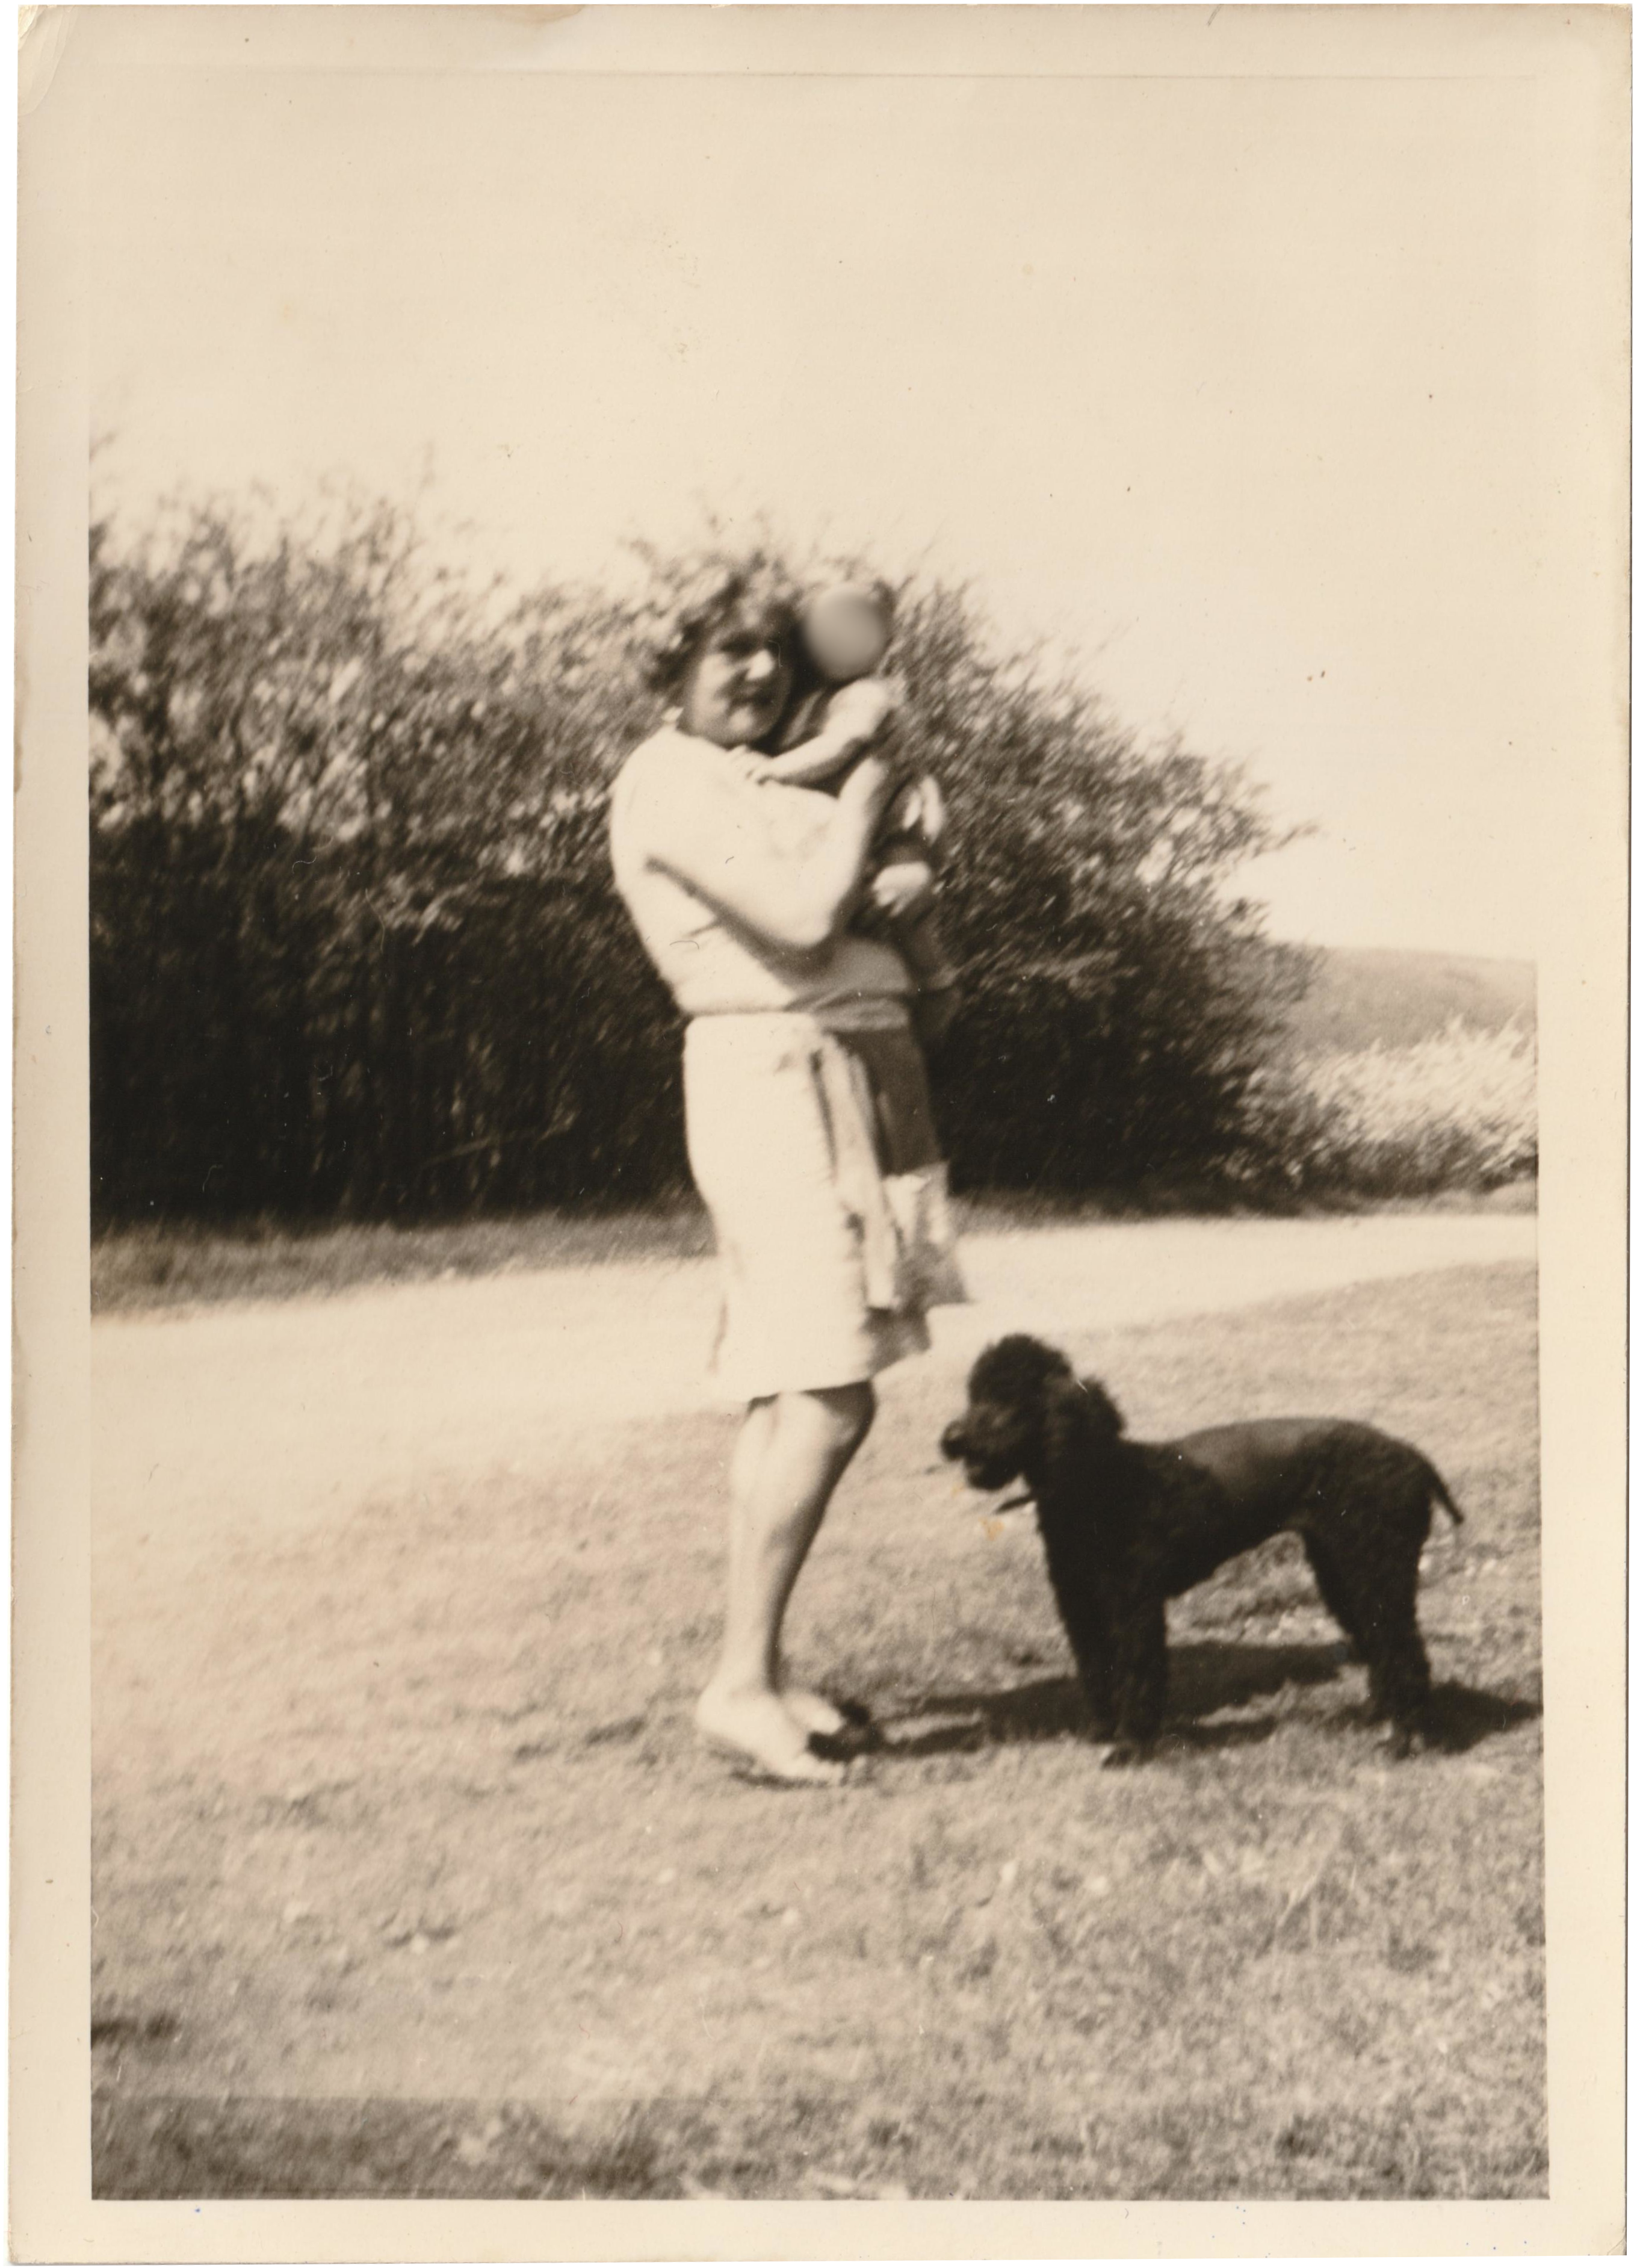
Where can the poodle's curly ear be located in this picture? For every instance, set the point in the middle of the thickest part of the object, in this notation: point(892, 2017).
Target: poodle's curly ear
point(1101, 1411)
point(1079, 1414)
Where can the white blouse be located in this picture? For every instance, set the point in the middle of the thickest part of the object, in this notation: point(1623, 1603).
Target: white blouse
point(715, 966)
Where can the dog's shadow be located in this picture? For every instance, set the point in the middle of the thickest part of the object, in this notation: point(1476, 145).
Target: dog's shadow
point(1462, 1716)
point(1206, 1676)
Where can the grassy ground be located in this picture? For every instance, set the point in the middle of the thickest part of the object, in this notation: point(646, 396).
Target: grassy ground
point(177, 1266)
point(183, 1266)
point(409, 1879)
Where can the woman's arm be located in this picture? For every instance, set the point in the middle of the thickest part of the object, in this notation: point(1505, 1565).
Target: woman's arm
point(724, 849)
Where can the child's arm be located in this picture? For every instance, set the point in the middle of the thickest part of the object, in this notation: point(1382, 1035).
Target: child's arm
point(858, 715)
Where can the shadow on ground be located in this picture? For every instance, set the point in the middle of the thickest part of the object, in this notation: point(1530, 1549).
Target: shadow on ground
point(1206, 1676)
point(249, 2147)
point(1464, 1716)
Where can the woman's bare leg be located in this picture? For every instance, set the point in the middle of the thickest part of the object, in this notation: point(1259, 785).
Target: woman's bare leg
point(811, 1711)
point(754, 1439)
point(788, 1462)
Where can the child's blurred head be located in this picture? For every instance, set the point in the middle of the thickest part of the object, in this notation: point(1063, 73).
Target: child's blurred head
point(846, 624)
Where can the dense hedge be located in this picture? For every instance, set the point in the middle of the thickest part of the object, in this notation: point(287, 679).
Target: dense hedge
point(356, 951)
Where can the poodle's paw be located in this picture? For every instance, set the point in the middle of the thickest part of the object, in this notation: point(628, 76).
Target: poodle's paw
point(1123, 1753)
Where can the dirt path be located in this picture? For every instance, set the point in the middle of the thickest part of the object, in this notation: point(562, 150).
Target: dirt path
point(283, 1415)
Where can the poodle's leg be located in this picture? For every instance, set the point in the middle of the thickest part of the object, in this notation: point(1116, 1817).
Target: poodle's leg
point(1403, 1687)
point(1329, 1573)
point(1086, 1630)
point(1140, 1678)
point(1074, 1579)
point(1386, 1592)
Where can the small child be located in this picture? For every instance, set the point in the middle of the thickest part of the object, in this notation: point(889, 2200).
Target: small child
point(842, 710)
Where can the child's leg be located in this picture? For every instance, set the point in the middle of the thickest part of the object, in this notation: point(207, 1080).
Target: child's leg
point(871, 920)
point(922, 945)
point(902, 1097)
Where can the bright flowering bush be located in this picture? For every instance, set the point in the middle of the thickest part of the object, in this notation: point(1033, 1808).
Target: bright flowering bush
point(1455, 1112)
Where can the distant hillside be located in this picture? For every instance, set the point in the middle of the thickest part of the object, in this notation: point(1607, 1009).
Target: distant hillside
point(1362, 994)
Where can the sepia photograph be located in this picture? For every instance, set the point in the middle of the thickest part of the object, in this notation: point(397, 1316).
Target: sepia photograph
point(831, 766)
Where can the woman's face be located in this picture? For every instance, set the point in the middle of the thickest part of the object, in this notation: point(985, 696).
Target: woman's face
point(736, 687)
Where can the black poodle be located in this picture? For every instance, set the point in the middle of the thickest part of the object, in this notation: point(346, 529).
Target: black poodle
point(1128, 1525)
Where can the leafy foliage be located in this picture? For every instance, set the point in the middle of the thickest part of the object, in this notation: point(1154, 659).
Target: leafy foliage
point(356, 950)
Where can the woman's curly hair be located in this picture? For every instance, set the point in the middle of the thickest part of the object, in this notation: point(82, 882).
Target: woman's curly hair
point(756, 592)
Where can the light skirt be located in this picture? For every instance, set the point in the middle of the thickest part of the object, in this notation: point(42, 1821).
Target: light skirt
point(761, 1144)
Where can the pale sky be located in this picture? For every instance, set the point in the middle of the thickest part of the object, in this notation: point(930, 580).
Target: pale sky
point(1233, 383)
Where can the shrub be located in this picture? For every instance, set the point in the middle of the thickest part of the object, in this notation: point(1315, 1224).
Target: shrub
point(1458, 1111)
point(356, 950)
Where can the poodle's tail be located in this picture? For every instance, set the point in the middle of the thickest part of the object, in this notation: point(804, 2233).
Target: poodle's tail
point(1439, 1493)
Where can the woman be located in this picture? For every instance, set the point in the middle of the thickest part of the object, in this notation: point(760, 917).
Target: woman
point(741, 894)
